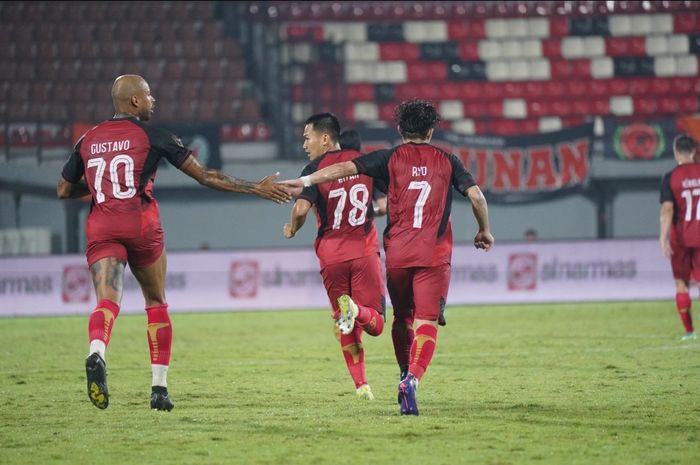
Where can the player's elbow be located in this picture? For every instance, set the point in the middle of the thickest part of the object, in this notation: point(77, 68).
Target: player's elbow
point(476, 196)
point(63, 190)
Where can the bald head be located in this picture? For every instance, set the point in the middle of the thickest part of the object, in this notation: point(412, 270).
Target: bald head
point(132, 95)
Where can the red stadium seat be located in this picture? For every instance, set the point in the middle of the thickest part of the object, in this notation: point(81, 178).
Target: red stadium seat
point(689, 104)
point(470, 90)
point(617, 86)
point(538, 108)
point(534, 89)
point(450, 91)
point(645, 105)
point(684, 23)
point(639, 86)
point(405, 51)
point(668, 105)
point(551, 48)
point(491, 90)
point(555, 89)
point(581, 68)
point(581, 107)
point(558, 27)
point(561, 69)
point(659, 86)
point(561, 108)
point(361, 92)
point(597, 88)
point(386, 111)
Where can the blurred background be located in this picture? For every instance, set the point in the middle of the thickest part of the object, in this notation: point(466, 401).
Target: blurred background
point(236, 80)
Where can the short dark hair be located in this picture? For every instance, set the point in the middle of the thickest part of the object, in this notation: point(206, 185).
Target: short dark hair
point(415, 118)
point(350, 139)
point(325, 123)
point(684, 144)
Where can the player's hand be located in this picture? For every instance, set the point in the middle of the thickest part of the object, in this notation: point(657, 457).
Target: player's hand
point(484, 240)
point(269, 189)
point(666, 248)
point(293, 186)
point(287, 230)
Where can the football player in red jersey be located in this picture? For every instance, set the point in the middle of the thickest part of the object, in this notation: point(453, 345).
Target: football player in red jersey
point(346, 244)
point(115, 163)
point(418, 236)
point(679, 230)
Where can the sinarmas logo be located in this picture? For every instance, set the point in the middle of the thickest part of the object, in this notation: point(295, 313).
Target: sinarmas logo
point(522, 271)
point(556, 270)
point(243, 278)
point(77, 284)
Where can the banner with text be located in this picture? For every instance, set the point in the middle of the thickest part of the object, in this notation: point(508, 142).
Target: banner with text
point(290, 279)
point(513, 169)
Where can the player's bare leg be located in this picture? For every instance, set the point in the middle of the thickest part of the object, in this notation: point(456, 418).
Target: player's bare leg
point(107, 277)
point(160, 332)
point(683, 304)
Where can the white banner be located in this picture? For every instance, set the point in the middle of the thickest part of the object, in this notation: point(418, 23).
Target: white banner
point(290, 279)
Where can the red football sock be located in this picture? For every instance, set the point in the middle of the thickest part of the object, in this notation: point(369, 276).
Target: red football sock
point(102, 320)
point(354, 355)
point(422, 349)
point(370, 320)
point(683, 303)
point(402, 337)
point(160, 334)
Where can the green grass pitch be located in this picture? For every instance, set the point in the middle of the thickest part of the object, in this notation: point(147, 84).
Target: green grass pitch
point(598, 383)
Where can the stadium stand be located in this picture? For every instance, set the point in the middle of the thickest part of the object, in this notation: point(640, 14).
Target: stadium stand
point(59, 59)
point(493, 67)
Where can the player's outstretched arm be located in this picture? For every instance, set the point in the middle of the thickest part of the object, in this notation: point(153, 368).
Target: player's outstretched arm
point(483, 239)
point(327, 174)
point(69, 190)
point(266, 188)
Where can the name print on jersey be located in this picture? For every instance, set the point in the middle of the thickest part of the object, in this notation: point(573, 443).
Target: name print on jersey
point(349, 178)
point(693, 182)
point(420, 171)
point(109, 146)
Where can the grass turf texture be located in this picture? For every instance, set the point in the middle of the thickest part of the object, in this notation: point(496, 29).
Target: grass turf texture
point(606, 383)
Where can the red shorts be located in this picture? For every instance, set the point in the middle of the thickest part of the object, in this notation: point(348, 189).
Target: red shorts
point(423, 289)
point(360, 278)
point(137, 240)
point(685, 262)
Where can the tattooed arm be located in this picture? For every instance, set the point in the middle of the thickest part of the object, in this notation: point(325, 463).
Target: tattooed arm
point(69, 190)
point(214, 179)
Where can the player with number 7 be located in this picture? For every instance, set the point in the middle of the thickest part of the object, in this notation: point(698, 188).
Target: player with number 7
point(418, 235)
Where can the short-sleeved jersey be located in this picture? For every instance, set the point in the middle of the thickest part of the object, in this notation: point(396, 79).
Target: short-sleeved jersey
point(419, 178)
point(682, 187)
point(344, 212)
point(119, 158)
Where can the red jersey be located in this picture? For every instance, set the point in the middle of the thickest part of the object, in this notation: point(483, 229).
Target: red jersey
point(119, 158)
point(419, 201)
point(344, 212)
point(682, 187)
